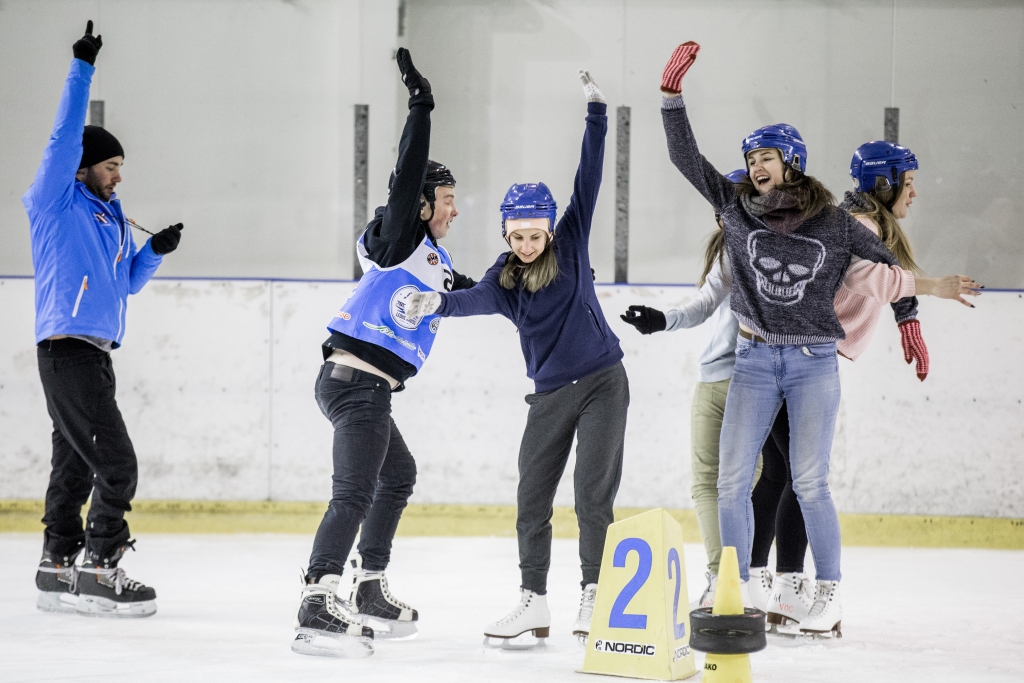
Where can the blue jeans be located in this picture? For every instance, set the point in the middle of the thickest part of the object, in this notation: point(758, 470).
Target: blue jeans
point(807, 378)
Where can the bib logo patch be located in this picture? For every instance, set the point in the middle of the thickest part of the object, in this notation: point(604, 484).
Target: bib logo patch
point(434, 324)
point(344, 316)
point(399, 302)
point(432, 258)
point(102, 218)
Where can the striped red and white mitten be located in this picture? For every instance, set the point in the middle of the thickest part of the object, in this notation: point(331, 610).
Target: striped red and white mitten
point(682, 58)
point(914, 347)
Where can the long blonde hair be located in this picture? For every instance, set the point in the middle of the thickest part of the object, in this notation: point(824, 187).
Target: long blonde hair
point(535, 275)
point(879, 210)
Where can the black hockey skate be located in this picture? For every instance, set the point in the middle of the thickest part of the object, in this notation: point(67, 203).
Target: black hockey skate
point(57, 581)
point(104, 589)
point(373, 604)
point(324, 628)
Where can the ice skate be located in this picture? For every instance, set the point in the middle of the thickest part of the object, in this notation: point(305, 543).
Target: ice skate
point(530, 615)
point(372, 604)
point(57, 581)
point(760, 587)
point(789, 604)
point(581, 629)
point(825, 617)
point(707, 598)
point(104, 590)
point(323, 626)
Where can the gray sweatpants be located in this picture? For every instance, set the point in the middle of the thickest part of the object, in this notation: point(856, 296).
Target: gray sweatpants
point(594, 409)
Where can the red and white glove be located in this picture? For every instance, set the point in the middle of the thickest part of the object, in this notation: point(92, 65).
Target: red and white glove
point(914, 347)
point(682, 58)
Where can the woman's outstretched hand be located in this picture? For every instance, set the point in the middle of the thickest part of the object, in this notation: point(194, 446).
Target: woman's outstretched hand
point(954, 287)
point(682, 58)
point(645, 319)
point(590, 88)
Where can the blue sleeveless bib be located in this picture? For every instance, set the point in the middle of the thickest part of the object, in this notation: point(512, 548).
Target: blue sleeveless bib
point(375, 312)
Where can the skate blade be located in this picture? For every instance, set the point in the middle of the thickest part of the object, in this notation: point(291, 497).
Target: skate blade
point(63, 603)
point(581, 638)
point(385, 629)
point(94, 606)
point(534, 639)
point(320, 644)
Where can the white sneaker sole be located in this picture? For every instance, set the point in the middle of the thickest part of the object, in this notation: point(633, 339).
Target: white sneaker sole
point(95, 606)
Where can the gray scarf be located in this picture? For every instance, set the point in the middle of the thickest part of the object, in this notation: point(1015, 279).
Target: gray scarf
point(776, 208)
point(854, 201)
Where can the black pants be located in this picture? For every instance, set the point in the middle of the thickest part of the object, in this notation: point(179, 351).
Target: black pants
point(374, 472)
point(777, 513)
point(594, 409)
point(91, 450)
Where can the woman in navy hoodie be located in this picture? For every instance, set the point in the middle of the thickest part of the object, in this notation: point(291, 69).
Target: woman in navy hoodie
point(545, 286)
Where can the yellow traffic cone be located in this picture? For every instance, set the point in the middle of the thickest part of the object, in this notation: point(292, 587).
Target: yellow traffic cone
point(728, 600)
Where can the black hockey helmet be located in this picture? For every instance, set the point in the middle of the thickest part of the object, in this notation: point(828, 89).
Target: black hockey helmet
point(438, 175)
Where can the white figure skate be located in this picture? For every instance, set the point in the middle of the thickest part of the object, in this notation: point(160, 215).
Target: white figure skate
point(323, 625)
point(790, 602)
point(760, 587)
point(530, 615)
point(707, 598)
point(581, 629)
point(825, 618)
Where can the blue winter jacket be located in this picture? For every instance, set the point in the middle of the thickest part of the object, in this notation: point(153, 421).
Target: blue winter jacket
point(562, 329)
point(84, 257)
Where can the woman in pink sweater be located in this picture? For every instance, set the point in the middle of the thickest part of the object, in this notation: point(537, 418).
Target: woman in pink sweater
point(883, 175)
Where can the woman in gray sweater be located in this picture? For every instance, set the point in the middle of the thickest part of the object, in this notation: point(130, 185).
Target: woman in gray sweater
point(789, 247)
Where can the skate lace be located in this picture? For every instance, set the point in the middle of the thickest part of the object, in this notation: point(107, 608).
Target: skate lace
point(587, 604)
point(388, 596)
point(822, 597)
point(524, 602)
point(121, 580)
point(60, 570)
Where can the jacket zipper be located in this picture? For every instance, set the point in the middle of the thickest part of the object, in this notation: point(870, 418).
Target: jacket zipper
point(81, 291)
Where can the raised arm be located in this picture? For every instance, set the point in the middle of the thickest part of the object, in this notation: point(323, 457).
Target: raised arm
point(55, 179)
point(579, 214)
point(682, 146)
point(401, 215)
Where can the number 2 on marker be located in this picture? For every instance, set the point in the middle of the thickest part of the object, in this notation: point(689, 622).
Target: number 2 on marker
point(673, 559)
point(618, 617)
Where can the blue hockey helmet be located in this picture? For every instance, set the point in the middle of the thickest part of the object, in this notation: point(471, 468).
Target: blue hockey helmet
point(780, 136)
point(529, 200)
point(876, 166)
point(738, 176)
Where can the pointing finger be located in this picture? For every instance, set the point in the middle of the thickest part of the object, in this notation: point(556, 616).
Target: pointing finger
point(88, 28)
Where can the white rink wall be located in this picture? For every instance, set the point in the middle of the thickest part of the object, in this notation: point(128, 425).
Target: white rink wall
point(215, 382)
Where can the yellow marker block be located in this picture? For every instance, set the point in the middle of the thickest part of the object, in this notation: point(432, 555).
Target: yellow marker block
point(641, 623)
point(728, 600)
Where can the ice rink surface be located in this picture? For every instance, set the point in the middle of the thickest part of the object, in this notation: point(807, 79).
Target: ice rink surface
point(226, 606)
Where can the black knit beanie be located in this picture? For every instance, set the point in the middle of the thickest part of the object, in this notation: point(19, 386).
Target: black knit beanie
point(98, 145)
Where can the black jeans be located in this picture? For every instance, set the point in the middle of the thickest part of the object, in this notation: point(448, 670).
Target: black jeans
point(91, 450)
point(594, 409)
point(777, 513)
point(374, 472)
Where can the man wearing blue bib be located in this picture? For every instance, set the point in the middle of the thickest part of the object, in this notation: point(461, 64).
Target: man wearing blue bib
point(376, 344)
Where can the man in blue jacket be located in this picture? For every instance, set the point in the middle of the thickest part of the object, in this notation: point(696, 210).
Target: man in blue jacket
point(86, 265)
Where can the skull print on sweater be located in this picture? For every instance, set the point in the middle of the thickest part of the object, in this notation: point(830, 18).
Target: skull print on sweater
point(784, 285)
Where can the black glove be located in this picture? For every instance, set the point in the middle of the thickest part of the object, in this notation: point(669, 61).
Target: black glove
point(88, 46)
point(419, 87)
point(593, 274)
point(166, 241)
point(645, 319)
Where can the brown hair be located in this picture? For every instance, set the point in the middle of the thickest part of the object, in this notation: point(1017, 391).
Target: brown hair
point(811, 196)
point(714, 251)
point(535, 275)
point(879, 210)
